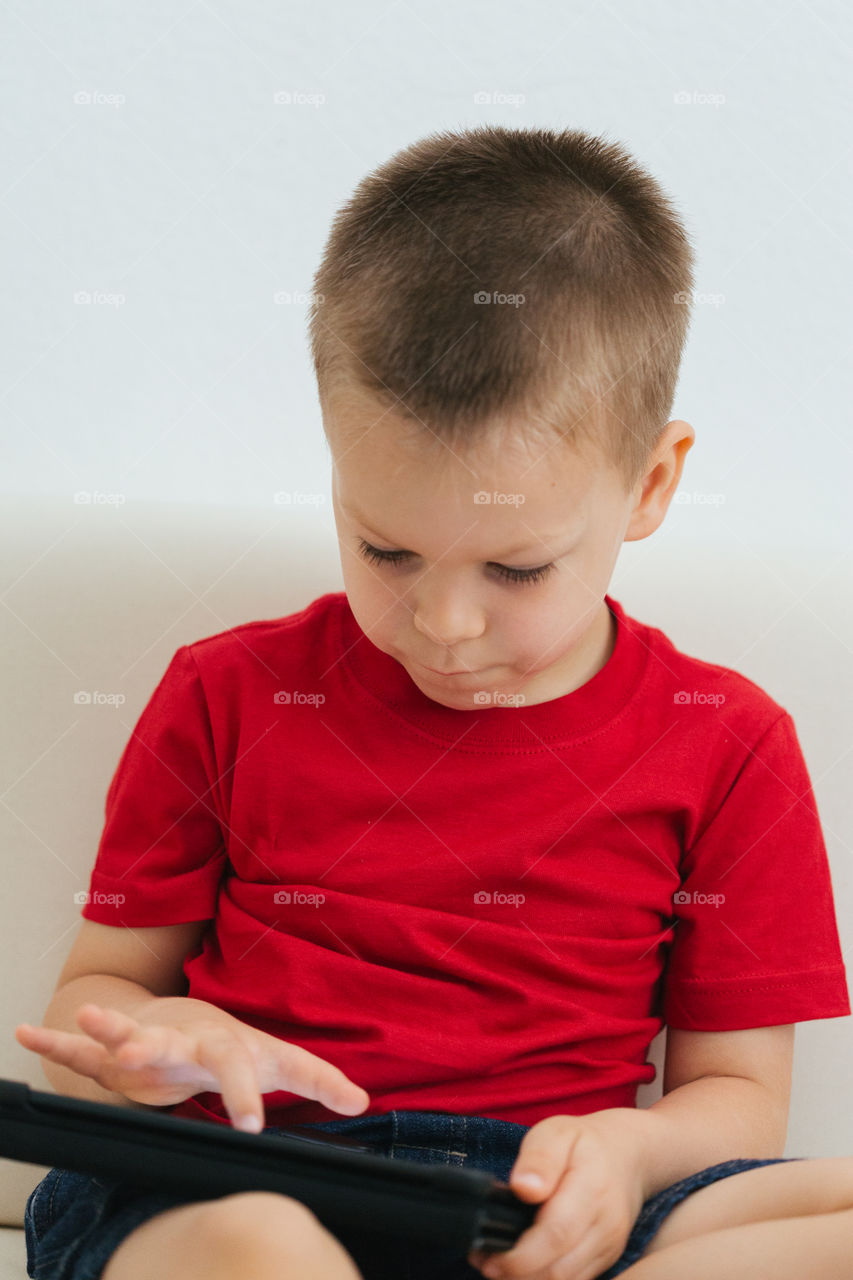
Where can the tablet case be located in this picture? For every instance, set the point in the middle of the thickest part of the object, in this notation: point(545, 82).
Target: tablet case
point(346, 1184)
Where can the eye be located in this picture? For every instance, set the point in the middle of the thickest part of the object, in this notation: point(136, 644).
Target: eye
point(523, 575)
point(380, 557)
point(377, 556)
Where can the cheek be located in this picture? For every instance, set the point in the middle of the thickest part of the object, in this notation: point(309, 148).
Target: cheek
point(374, 603)
point(537, 636)
point(364, 580)
point(532, 640)
point(520, 630)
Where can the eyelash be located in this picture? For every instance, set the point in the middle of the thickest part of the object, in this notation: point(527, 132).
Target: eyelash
point(511, 575)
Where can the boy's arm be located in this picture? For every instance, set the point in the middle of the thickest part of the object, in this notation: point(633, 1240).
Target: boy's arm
point(726, 1096)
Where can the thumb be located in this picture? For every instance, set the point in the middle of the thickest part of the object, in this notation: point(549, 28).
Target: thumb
point(541, 1162)
point(530, 1184)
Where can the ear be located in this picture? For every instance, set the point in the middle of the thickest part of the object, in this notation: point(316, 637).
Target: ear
point(656, 489)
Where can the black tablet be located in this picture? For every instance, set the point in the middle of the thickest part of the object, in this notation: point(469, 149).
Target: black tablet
point(346, 1184)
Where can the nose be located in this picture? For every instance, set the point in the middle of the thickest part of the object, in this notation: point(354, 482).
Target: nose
point(448, 619)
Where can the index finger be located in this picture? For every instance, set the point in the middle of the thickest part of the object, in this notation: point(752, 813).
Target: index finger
point(231, 1064)
point(565, 1223)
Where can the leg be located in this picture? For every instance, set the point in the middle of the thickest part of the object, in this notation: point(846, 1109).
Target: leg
point(253, 1233)
point(814, 1186)
point(818, 1246)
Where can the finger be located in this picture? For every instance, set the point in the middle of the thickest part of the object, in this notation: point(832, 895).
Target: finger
point(305, 1074)
point(546, 1151)
point(63, 1047)
point(131, 1045)
point(588, 1261)
point(155, 1046)
point(168, 1051)
point(107, 1026)
point(135, 1046)
point(32, 1038)
point(97, 1026)
point(562, 1225)
point(230, 1061)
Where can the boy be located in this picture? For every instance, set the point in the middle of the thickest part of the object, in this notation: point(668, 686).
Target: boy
point(444, 851)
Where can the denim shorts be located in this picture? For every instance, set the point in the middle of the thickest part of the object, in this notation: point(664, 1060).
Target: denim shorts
point(74, 1222)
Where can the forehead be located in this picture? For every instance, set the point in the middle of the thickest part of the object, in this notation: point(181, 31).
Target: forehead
point(368, 442)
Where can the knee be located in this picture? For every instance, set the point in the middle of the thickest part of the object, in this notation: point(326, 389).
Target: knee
point(262, 1222)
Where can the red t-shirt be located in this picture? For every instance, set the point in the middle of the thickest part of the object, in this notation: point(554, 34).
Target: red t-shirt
point(491, 912)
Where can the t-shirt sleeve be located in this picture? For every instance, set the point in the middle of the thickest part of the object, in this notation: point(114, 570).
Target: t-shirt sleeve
point(755, 939)
point(162, 850)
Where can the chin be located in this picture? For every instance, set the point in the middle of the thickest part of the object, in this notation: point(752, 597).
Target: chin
point(456, 704)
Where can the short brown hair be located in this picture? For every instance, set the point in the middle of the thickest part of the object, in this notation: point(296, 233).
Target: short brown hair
point(568, 221)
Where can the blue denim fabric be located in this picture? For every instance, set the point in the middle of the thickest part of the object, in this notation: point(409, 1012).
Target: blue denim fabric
point(74, 1222)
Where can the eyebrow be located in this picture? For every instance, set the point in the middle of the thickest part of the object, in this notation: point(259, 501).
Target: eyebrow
point(502, 555)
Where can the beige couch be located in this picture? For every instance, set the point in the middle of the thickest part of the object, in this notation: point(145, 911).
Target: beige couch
point(99, 596)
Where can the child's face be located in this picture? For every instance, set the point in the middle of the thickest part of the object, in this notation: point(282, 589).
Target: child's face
point(446, 605)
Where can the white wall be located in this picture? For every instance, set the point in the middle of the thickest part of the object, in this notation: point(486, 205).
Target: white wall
point(197, 198)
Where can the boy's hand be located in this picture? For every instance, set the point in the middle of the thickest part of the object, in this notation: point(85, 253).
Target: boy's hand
point(592, 1193)
point(175, 1047)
